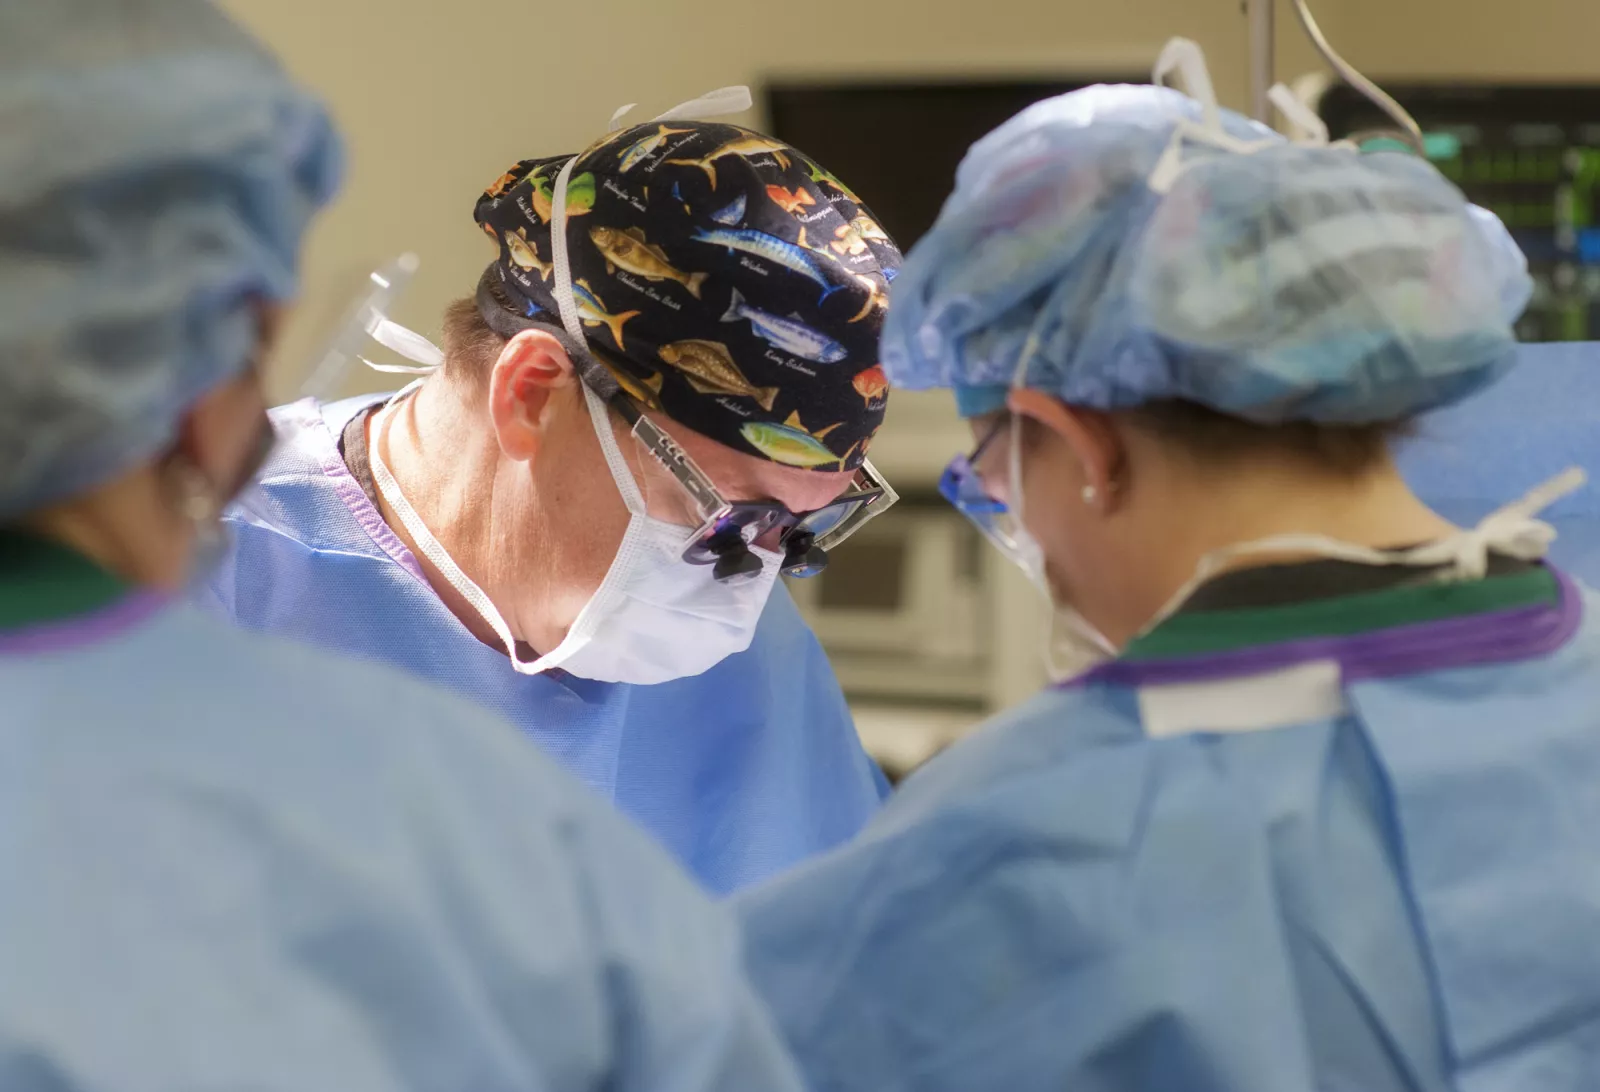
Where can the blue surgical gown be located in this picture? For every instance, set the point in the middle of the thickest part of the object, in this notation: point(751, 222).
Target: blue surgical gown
point(1543, 417)
point(1378, 870)
point(740, 772)
point(227, 862)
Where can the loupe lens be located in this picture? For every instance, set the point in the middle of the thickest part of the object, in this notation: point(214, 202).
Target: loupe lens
point(824, 521)
point(734, 531)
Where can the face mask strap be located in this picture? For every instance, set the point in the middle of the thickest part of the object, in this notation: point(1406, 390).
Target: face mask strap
point(1511, 530)
point(430, 546)
point(427, 356)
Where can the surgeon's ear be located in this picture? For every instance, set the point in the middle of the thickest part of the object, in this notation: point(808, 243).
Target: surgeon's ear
point(528, 372)
point(1089, 435)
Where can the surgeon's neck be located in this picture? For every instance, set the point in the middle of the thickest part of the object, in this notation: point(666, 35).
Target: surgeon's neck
point(483, 510)
point(1188, 515)
point(125, 527)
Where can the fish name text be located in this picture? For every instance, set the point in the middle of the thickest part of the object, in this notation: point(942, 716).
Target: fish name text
point(646, 290)
point(613, 188)
point(787, 362)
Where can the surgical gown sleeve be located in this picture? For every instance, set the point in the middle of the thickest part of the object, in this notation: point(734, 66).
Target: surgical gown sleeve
point(228, 863)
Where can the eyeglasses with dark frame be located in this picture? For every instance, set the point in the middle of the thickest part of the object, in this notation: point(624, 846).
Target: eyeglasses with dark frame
point(727, 529)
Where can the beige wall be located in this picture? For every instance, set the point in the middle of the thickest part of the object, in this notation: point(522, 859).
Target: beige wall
point(437, 98)
point(1552, 41)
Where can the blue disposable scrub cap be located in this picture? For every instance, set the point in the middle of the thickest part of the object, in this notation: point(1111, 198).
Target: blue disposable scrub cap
point(156, 173)
point(1296, 282)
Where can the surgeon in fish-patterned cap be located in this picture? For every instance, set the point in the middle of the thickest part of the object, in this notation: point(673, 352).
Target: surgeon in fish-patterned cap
point(497, 527)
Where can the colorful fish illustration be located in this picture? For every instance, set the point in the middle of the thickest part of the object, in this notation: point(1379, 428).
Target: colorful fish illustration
point(750, 144)
point(645, 147)
point(580, 195)
point(600, 145)
point(503, 183)
point(791, 201)
point(868, 229)
point(677, 195)
point(846, 240)
point(731, 213)
point(647, 392)
point(820, 174)
point(872, 385)
point(877, 299)
point(790, 443)
point(852, 238)
point(525, 255)
point(594, 313)
point(789, 334)
point(710, 369)
point(796, 257)
point(629, 249)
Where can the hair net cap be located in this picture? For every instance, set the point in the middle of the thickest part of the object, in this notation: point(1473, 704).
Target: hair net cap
point(157, 170)
point(1300, 282)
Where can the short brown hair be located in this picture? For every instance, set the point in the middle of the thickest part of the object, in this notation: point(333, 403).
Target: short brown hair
point(470, 346)
point(1344, 449)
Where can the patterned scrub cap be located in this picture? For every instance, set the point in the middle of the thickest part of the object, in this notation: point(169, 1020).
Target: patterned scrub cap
point(728, 280)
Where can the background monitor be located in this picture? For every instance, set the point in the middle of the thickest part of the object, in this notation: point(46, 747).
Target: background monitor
point(897, 144)
point(1531, 155)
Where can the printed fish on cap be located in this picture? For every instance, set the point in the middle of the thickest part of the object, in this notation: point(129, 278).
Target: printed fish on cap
point(646, 392)
point(794, 201)
point(751, 144)
point(877, 296)
point(710, 369)
point(644, 148)
point(580, 194)
point(790, 443)
point(796, 257)
point(788, 334)
point(524, 255)
point(629, 249)
point(730, 214)
point(821, 175)
point(852, 238)
point(846, 240)
point(594, 313)
point(872, 385)
point(500, 186)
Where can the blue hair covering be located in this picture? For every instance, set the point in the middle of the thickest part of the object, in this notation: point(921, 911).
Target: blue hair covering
point(157, 170)
point(1299, 282)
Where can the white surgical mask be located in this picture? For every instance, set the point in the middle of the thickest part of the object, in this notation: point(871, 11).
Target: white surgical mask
point(654, 617)
point(1074, 644)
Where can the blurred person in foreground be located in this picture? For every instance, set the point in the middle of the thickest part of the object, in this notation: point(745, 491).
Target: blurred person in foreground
point(228, 862)
point(1314, 804)
point(579, 524)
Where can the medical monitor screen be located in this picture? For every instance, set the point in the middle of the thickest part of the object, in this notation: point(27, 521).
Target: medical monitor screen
point(897, 145)
point(1531, 154)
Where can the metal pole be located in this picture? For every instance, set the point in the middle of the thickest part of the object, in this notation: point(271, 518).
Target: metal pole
point(1262, 66)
